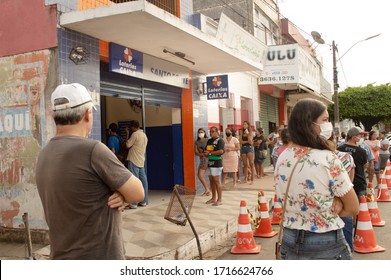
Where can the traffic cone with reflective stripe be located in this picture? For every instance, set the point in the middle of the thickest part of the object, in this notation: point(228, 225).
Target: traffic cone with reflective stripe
point(245, 242)
point(277, 211)
point(383, 195)
point(388, 174)
point(364, 240)
point(372, 207)
point(264, 228)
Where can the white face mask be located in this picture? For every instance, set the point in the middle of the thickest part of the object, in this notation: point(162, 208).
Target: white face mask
point(326, 130)
point(360, 141)
point(201, 135)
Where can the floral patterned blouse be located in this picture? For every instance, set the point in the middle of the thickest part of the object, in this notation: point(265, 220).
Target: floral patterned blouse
point(319, 176)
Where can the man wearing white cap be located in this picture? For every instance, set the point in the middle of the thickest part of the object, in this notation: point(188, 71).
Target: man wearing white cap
point(82, 184)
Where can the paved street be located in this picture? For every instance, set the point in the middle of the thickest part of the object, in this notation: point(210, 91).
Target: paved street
point(382, 234)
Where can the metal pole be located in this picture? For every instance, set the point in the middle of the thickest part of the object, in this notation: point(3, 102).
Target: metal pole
point(335, 79)
point(190, 223)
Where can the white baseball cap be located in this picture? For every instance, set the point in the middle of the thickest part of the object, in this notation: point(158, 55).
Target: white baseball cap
point(69, 96)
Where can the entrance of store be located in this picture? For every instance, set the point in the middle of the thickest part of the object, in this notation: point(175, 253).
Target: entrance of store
point(157, 107)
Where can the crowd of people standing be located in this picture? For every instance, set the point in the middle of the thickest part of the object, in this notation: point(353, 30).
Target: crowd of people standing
point(239, 154)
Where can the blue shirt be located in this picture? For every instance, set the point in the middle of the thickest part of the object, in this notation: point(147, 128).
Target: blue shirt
point(113, 142)
point(366, 147)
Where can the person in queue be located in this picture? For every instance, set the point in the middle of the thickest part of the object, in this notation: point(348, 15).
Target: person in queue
point(320, 190)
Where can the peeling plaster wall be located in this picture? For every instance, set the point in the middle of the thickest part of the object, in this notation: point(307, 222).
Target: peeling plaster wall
point(26, 81)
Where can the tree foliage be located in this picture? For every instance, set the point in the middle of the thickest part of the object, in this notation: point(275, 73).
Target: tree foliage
point(368, 105)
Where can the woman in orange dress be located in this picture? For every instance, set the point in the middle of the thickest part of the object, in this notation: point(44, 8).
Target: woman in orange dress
point(230, 156)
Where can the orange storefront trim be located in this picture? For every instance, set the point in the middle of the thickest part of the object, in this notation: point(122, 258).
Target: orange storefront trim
point(188, 137)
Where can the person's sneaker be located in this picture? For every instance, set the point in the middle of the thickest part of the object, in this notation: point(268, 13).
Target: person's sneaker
point(131, 206)
point(142, 204)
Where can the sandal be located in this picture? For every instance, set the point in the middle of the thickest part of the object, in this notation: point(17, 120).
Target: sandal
point(217, 203)
point(210, 201)
point(207, 193)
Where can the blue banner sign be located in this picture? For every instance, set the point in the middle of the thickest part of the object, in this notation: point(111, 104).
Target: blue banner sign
point(125, 61)
point(217, 87)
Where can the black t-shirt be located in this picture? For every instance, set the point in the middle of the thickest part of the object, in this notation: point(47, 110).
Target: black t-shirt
point(261, 146)
point(360, 159)
point(215, 145)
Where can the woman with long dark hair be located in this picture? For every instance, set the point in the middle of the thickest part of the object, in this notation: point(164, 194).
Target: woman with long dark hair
point(200, 147)
point(320, 190)
point(247, 151)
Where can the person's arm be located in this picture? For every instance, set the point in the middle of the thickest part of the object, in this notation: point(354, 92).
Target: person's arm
point(132, 190)
point(197, 152)
point(131, 141)
point(350, 204)
point(250, 138)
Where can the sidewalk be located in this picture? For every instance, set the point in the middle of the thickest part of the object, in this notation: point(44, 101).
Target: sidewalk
point(148, 235)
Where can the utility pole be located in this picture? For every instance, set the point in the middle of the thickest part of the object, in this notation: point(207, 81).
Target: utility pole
point(335, 81)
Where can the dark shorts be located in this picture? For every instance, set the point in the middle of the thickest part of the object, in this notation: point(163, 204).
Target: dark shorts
point(247, 149)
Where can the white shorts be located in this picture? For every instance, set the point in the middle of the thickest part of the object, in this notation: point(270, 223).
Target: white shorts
point(214, 171)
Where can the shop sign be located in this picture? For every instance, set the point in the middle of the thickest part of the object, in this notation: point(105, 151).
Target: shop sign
point(133, 63)
point(217, 87)
point(125, 61)
point(15, 122)
point(165, 72)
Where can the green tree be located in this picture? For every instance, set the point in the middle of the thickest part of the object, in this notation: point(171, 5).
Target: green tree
point(368, 105)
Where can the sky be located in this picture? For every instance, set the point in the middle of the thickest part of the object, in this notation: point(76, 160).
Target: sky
point(347, 22)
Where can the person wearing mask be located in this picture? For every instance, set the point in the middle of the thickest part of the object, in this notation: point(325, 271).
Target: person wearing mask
point(247, 151)
point(260, 151)
point(352, 146)
point(348, 163)
point(230, 156)
point(374, 144)
point(214, 151)
point(272, 141)
point(384, 152)
point(319, 188)
point(137, 145)
point(82, 184)
point(200, 147)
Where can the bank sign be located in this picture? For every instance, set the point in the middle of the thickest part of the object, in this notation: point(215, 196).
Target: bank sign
point(217, 87)
point(126, 61)
point(133, 63)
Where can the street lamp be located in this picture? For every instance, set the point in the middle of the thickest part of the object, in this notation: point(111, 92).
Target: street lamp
point(318, 38)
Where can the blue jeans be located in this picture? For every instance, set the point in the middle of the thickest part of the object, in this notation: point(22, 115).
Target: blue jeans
point(348, 231)
point(306, 245)
point(139, 172)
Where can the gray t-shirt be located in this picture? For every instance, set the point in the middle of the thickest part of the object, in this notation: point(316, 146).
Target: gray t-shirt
point(75, 177)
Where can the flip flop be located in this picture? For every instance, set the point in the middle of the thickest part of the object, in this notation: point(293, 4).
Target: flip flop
point(210, 201)
point(217, 203)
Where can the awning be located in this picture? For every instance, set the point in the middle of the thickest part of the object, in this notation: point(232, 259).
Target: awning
point(144, 27)
point(300, 92)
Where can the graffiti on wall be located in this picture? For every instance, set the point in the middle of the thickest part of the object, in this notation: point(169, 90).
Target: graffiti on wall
point(22, 131)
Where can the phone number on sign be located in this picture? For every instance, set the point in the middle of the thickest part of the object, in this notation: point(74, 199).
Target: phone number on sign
point(277, 79)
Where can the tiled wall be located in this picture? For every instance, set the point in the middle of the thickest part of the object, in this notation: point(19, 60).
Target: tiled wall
point(86, 74)
point(186, 9)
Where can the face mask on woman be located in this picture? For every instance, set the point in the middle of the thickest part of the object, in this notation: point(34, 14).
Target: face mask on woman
point(228, 134)
point(326, 130)
point(201, 135)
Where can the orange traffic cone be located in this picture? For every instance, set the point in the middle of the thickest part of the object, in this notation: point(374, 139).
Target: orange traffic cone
point(277, 211)
point(388, 174)
point(245, 242)
point(264, 228)
point(372, 207)
point(383, 195)
point(364, 240)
